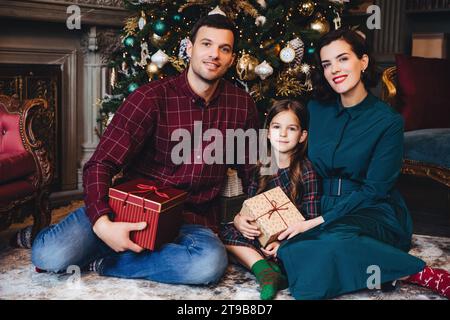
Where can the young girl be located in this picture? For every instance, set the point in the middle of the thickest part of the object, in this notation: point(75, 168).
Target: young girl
point(287, 124)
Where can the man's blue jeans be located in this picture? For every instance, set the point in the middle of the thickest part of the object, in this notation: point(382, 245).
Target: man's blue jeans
point(197, 256)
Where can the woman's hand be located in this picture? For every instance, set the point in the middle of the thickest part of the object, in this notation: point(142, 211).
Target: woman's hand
point(300, 227)
point(271, 249)
point(246, 226)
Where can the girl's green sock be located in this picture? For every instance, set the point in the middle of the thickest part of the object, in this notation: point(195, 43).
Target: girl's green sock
point(269, 279)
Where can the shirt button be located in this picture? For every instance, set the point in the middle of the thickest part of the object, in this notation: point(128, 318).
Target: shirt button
point(193, 100)
point(198, 157)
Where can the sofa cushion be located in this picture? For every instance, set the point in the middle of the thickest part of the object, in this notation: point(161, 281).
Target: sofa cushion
point(428, 145)
point(424, 92)
point(10, 139)
point(15, 190)
point(14, 165)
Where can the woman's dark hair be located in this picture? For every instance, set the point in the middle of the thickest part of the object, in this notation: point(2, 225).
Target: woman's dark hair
point(298, 154)
point(217, 21)
point(371, 76)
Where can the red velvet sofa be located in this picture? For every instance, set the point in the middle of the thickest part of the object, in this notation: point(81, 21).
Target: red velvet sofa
point(25, 168)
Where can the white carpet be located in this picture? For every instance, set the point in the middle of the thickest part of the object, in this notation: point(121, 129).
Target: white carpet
point(18, 280)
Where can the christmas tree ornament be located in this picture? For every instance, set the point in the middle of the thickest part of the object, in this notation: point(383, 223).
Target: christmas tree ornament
point(337, 21)
point(245, 67)
point(299, 48)
point(177, 18)
point(264, 70)
point(178, 63)
point(151, 69)
point(182, 53)
point(131, 24)
point(158, 41)
point(260, 21)
point(160, 58)
point(144, 54)
point(305, 68)
point(217, 10)
point(262, 3)
point(320, 24)
point(160, 27)
point(306, 8)
point(311, 50)
point(113, 78)
point(142, 20)
point(132, 86)
point(287, 54)
point(129, 41)
point(287, 86)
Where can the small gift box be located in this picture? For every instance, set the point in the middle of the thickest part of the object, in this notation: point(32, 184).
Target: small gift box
point(273, 213)
point(143, 200)
point(233, 185)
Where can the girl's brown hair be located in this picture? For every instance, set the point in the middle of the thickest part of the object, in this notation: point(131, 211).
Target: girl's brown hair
point(298, 154)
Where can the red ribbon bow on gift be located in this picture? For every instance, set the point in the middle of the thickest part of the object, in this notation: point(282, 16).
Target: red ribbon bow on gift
point(275, 208)
point(145, 188)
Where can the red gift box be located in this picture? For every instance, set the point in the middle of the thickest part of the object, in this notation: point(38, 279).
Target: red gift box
point(143, 200)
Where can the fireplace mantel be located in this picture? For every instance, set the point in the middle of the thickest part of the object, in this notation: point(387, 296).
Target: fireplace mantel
point(94, 12)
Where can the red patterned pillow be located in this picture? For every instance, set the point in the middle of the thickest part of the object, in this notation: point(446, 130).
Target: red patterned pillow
point(424, 92)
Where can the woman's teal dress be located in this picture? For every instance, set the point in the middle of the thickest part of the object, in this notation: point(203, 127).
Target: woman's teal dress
point(358, 153)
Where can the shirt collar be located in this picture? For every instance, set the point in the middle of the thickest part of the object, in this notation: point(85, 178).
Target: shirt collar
point(184, 86)
point(357, 109)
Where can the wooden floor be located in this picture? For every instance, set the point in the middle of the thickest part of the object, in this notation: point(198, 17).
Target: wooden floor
point(429, 203)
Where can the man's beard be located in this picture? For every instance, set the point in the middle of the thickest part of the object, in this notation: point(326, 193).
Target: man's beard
point(208, 81)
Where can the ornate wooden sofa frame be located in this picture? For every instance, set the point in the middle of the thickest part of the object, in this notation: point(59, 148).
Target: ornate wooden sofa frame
point(23, 191)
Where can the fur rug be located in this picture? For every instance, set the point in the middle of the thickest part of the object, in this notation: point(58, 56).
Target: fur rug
point(19, 281)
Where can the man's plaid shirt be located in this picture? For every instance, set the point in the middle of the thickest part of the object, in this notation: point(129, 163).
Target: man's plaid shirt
point(138, 139)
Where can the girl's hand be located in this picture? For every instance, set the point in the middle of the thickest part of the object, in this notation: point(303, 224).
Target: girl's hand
point(300, 227)
point(271, 249)
point(246, 226)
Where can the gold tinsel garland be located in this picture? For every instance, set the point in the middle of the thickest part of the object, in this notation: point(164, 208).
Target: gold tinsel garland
point(131, 24)
point(191, 3)
point(178, 63)
point(288, 86)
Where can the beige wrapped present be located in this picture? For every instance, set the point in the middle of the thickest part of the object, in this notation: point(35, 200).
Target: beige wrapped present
point(273, 213)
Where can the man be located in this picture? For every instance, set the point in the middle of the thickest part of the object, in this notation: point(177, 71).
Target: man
point(138, 140)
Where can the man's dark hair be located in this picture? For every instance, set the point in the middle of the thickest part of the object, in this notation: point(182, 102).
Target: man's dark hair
point(217, 21)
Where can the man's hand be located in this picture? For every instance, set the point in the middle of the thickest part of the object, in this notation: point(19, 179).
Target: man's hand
point(117, 234)
point(271, 249)
point(246, 226)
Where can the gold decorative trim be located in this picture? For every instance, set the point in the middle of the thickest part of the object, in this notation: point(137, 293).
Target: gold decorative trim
point(389, 90)
point(422, 169)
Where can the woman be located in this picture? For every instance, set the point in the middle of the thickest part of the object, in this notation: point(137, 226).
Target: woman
point(355, 144)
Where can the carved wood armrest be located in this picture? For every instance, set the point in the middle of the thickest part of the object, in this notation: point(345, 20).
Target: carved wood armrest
point(389, 92)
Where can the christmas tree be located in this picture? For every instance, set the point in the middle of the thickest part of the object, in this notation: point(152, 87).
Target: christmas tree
point(274, 50)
